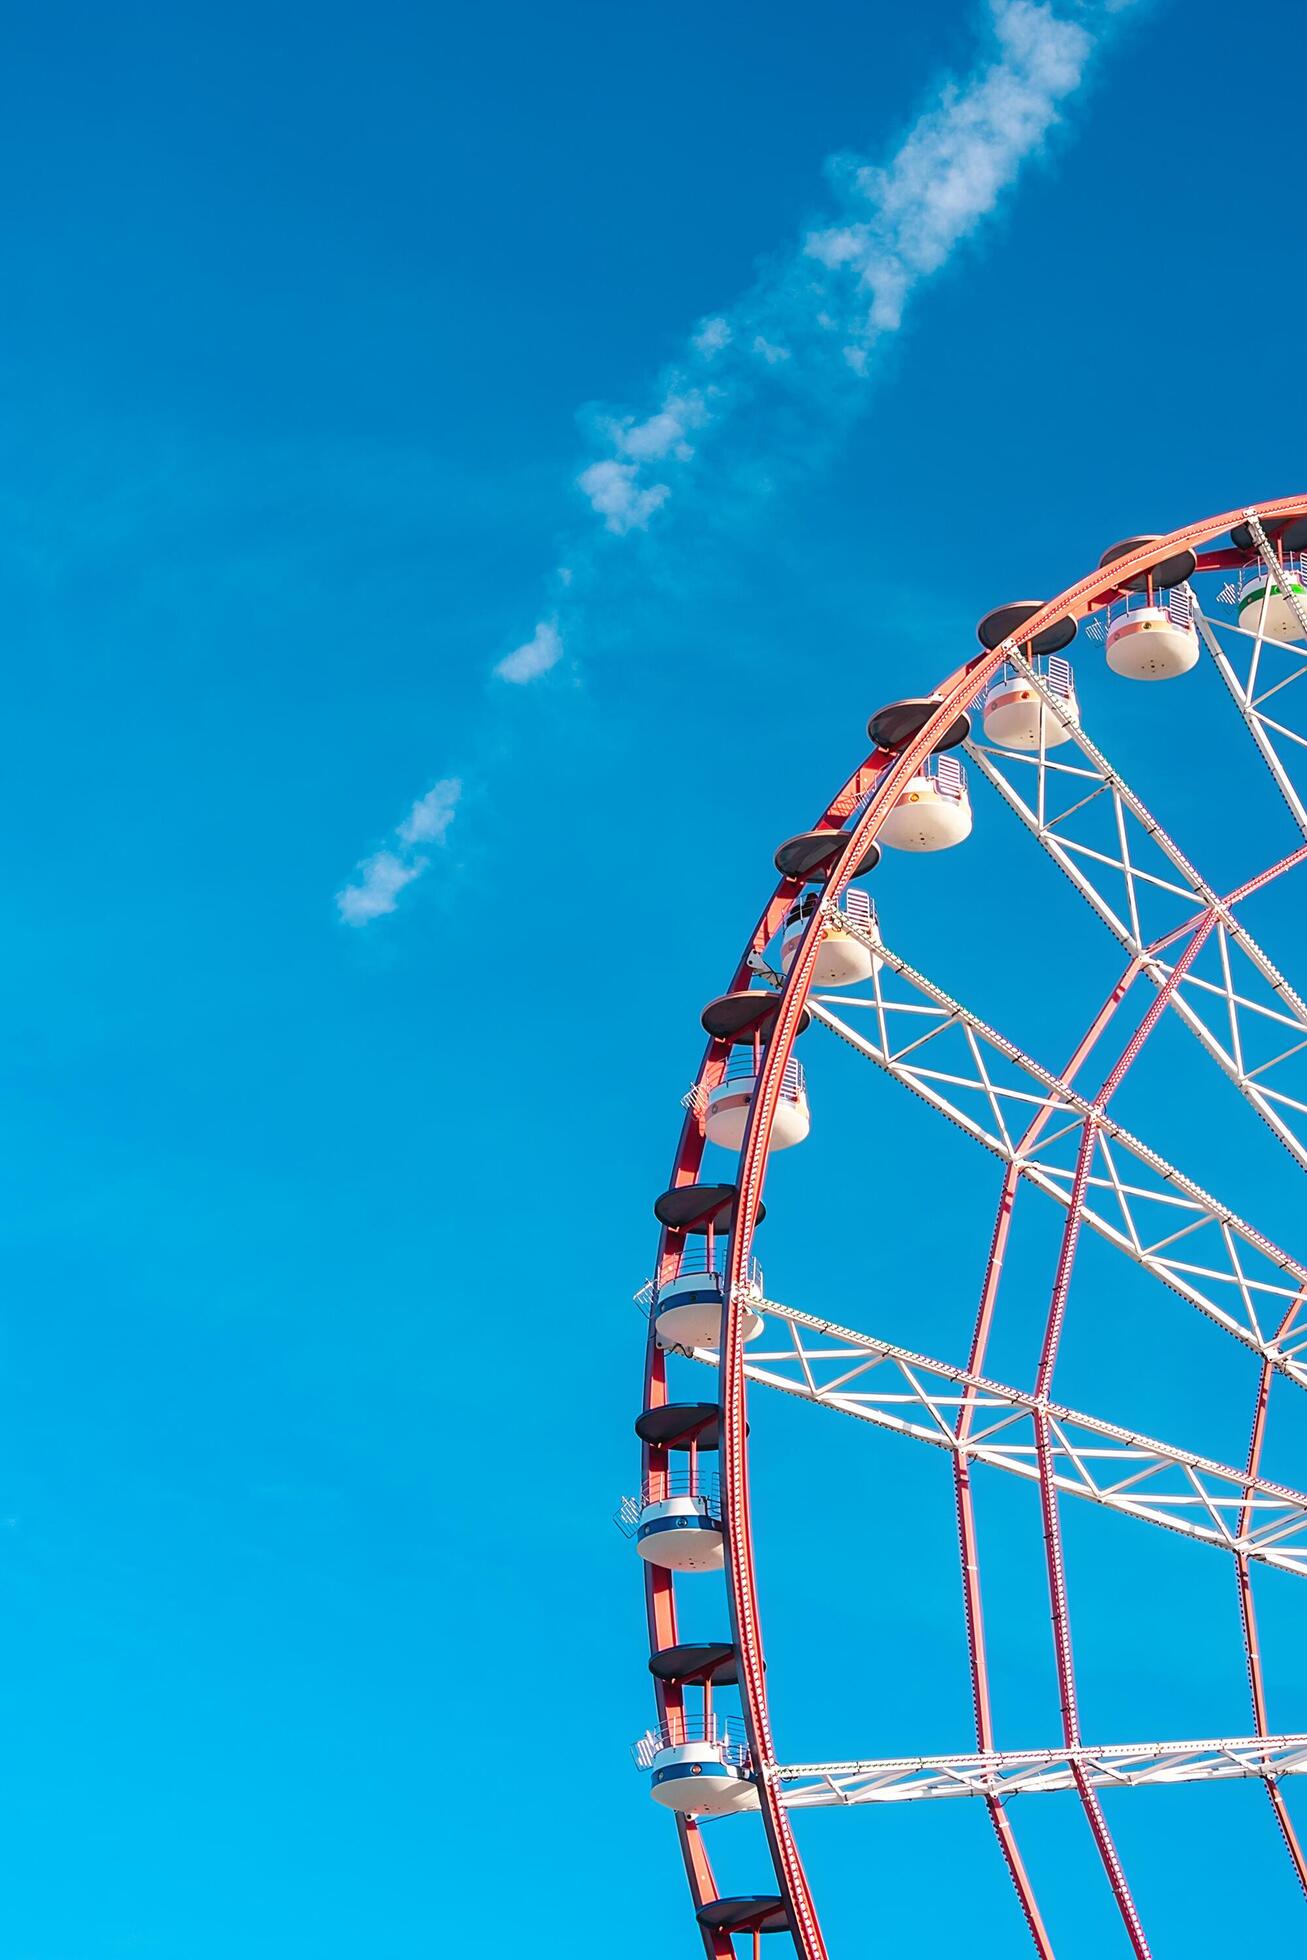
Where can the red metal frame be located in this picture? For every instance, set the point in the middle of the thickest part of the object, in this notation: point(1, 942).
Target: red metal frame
point(1058, 1605)
point(886, 775)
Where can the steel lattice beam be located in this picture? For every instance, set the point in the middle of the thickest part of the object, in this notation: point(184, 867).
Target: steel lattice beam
point(1059, 816)
point(1135, 1200)
point(1137, 1476)
point(1001, 1774)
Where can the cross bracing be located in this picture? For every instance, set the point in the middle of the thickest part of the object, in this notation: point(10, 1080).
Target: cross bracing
point(1133, 1198)
point(1263, 677)
point(999, 1774)
point(1260, 671)
point(1084, 814)
point(1137, 1476)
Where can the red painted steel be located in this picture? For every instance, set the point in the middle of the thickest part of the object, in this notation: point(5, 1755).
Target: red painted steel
point(660, 1593)
point(1058, 1605)
point(1252, 1648)
point(886, 776)
point(1248, 1611)
point(969, 1552)
point(967, 1536)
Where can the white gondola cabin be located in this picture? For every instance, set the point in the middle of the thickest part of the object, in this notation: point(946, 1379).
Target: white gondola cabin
point(1150, 635)
point(687, 1309)
point(843, 958)
point(682, 1533)
point(726, 1106)
point(1015, 714)
point(676, 1521)
point(1262, 603)
point(932, 810)
point(699, 1765)
point(1148, 626)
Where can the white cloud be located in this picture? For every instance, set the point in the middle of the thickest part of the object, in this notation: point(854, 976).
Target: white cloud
point(616, 496)
point(383, 877)
point(848, 283)
point(665, 431)
point(906, 218)
point(535, 656)
point(712, 336)
point(840, 245)
point(432, 814)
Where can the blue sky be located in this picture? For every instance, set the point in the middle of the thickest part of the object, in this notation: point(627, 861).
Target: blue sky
point(318, 1358)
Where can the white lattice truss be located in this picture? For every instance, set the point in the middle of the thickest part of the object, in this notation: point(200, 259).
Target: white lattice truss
point(1259, 672)
point(1021, 1772)
point(1101, 835)
point(1134, 1199)
point(1136, 1475)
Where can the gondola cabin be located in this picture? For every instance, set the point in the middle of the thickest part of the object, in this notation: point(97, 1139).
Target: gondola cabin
point(726, 1111)
point(699, 1766)
point(932, 811)
point(1015, 714)
point(843, 958)
point(1148, 627)
point(1151, 639)
point(676, 1521)
point(687, 1309)
point(1262, 603)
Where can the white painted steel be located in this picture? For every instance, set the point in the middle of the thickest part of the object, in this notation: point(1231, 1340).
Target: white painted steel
point(1143, 888)
point(1136, 1201)
point(1137, 1476)
point(1009, 1773)
point(1238, 658)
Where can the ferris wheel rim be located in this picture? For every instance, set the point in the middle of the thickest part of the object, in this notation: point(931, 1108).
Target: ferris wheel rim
point(888, 774)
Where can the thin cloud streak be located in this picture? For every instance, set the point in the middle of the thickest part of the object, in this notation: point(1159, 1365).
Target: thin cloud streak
point(953, 167)
point(535, 656)
point(616, 495)
point(432, 814)
point(811, 328)
point(383, 876)
point(818, 316)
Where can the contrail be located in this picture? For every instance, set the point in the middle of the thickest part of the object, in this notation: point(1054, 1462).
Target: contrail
point(809, 330)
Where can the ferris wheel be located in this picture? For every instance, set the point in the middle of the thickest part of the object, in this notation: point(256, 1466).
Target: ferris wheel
point(1221, 604)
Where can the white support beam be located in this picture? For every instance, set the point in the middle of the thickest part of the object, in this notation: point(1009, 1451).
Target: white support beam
point(1138, 904)
point(1242, 691)
point(1008, 1773)
point(1118, 1469)
point(1138, 1202)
